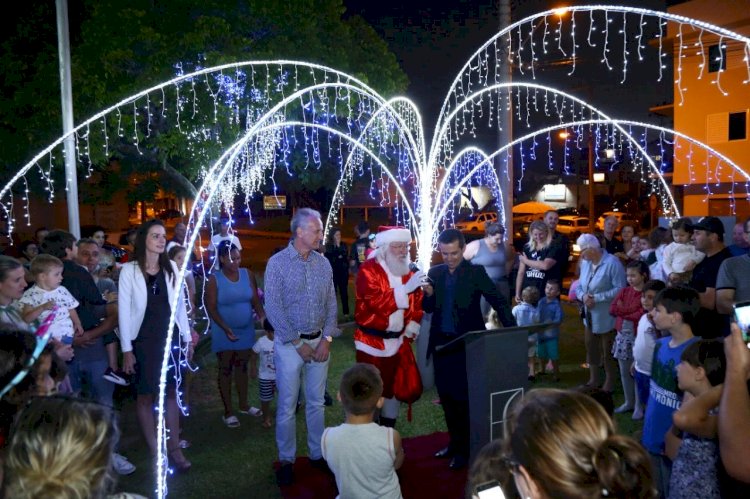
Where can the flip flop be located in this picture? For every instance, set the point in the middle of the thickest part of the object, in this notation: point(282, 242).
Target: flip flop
point(231, 421)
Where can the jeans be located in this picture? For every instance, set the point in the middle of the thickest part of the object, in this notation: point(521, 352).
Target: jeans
point(87, 376)
point(289, 370)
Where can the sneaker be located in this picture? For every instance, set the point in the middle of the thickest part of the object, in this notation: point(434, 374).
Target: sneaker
point(285, 474)
point(116, 377)
point(121, 465)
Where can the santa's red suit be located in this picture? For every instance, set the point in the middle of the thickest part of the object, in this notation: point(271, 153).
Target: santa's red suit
point(387, 323)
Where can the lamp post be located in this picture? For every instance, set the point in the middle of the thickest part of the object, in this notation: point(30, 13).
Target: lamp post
point(592, 212)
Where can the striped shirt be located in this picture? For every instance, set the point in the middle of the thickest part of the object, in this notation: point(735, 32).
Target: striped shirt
point(299, 294)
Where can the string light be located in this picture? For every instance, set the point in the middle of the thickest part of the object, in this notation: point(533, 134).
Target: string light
point(339, 120)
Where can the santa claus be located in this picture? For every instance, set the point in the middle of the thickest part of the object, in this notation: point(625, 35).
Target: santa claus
point(388, 311)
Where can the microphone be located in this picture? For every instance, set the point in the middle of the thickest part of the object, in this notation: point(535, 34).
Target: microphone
point(413, 267)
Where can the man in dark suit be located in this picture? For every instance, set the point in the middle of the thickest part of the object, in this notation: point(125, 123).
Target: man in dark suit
point(453, 296)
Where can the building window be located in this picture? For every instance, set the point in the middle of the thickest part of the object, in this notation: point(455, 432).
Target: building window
point(738, 126)
point(717, 58)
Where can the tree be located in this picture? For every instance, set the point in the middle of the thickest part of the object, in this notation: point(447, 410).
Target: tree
point(119, 47)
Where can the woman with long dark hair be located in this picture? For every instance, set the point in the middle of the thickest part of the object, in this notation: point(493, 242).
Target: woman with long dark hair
point(148, 287)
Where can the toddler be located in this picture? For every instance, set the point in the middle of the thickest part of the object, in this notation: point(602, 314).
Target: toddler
point(643, 348)
point(627, 310)
point(46, 295)
point(654, 254)
point(265, 371)
point(526, 314)
point(363, 455)
point(635, 249)
point(550, 311)
point(680, 256)
point(700, 375)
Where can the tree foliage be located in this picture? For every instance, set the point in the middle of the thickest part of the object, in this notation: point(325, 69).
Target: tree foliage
point(119, 47)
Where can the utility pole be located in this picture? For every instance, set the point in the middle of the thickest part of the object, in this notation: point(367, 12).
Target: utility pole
point(505, 128)
point(66, 99)
point(592, 212)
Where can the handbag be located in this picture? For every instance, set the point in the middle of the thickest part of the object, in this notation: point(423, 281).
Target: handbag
point(407, 381)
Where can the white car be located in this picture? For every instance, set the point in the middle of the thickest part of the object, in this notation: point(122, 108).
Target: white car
point(476, 222)
point(572, 226)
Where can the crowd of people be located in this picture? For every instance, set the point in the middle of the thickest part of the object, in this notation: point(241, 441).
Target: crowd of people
point(655, 308)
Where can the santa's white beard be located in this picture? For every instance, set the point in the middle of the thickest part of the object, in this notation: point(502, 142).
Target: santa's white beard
point(399, 266)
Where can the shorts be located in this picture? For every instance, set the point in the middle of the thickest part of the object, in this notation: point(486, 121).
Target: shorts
point(266, 387)
point(110, 337)
point(532, 344)
point(548, 349)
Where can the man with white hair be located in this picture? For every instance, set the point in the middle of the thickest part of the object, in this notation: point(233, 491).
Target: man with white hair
point(388, 311)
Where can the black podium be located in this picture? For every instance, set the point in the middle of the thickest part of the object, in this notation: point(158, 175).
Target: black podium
point(497, 373)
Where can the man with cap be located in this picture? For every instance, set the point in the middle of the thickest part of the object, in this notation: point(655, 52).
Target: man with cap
point(388, 312)
point(225, 234)
point(708, 234)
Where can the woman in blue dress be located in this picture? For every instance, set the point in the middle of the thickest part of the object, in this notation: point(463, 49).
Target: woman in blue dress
point(231, 297)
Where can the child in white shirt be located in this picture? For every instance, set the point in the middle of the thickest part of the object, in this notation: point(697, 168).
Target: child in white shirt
point(47, 295)
point(680, 256)
point(266, 371)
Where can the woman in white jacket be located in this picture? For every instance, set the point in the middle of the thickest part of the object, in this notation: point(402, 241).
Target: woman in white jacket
point(147, 289)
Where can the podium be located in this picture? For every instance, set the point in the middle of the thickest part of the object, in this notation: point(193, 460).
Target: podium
point(497, 373)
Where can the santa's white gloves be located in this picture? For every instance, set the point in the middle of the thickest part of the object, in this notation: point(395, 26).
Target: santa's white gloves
point(416, 280)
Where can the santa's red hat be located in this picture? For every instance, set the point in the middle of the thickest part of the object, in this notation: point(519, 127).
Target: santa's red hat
point(391, 234)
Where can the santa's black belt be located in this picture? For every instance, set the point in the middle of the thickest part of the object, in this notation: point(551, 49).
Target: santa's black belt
point(379, 333)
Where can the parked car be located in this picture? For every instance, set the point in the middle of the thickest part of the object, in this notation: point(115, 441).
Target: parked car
point(569, 211)
point(572, 226)
point(622, 217)
point(476, 222)
point(169, 214)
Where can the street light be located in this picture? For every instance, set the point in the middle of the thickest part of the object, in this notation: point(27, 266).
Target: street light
point(564, 134)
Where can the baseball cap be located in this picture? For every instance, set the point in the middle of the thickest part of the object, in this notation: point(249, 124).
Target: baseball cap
point(710, 224)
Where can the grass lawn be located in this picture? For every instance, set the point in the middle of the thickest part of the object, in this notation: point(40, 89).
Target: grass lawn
point(231, 463)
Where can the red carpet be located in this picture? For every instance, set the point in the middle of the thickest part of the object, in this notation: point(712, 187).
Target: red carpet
point(422, 475)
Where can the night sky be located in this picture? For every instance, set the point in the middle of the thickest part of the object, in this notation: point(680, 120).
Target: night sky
point(432, 42)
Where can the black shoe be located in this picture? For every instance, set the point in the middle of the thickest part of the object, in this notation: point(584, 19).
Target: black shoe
point(285, 475)
point(444, 453)
point(327, 400)
point(320, 464)
point(116, 377)
point(458, 462)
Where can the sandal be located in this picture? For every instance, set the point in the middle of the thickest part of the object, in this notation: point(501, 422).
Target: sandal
point(231, 421)
point(267, 424)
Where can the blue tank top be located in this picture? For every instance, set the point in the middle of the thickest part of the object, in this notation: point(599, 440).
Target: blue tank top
point(493, 262)
point(233, 302)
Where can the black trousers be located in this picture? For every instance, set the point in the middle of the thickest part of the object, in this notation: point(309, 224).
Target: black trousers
point(341, 284)
point(453, 389)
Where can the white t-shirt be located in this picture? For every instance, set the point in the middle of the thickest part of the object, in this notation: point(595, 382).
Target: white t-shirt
point(677, 257)
point(62, 325)
point(266, 368)
point(643, 348)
